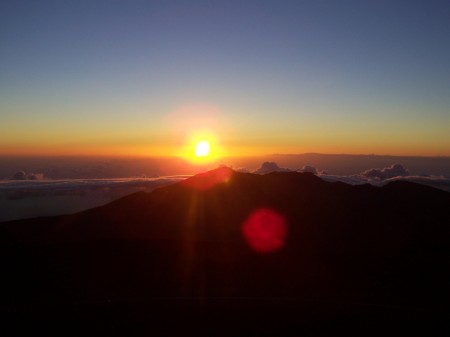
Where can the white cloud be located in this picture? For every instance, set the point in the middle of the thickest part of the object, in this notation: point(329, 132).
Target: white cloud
point(381, 177)
point(34, 198)
point(270, 166)
point(310, 169)
point(19, 175)
point(395, 170)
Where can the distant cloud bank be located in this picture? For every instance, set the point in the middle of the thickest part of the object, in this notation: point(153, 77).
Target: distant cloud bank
point(21, 175)
point(373, 176)
point(32, 196)
point(395, 170)
point(27, 198)
point(269, 166)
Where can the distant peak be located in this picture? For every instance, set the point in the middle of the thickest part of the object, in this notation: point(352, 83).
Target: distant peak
point(211, 178)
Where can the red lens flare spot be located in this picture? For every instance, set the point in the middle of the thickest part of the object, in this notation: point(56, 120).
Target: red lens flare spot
point(265, 230)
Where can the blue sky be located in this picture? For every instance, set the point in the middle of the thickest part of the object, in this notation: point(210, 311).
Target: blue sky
point(286, 76)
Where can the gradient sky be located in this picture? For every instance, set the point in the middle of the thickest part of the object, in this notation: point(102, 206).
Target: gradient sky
point(147, 77)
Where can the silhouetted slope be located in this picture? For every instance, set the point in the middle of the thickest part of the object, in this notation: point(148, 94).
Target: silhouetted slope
point(179, 254)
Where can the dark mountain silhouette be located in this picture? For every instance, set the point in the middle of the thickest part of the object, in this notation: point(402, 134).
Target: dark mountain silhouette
point(228, 253)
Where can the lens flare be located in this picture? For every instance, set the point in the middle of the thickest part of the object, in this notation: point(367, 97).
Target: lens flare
point(265, 230)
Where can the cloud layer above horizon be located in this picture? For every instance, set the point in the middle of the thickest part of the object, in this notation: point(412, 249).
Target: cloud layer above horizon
point(374, 176)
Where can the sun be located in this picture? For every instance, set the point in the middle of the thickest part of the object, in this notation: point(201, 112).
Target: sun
point(202, 148)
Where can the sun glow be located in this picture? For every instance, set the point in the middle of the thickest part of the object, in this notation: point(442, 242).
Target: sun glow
point(202, 148)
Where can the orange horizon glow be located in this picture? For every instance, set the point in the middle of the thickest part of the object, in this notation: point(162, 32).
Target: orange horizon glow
point(188, 126)
point(180, 129)
point(217, 152)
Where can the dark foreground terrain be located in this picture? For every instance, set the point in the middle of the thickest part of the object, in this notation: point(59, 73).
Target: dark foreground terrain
point(235, 254)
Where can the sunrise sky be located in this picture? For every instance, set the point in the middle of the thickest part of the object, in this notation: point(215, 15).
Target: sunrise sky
point(150, 78)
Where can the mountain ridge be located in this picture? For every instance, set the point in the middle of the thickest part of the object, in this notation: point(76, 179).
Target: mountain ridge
point(238, 236)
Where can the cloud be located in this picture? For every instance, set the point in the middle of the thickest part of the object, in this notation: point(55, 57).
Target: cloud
point(35, 176)
point(381, 177)
point(432, 181)
point(34, 198)
point(310, 169)
point(19, 175)
point(395, 170)
point(270, 166)
point(351, 179)
point(38, 187)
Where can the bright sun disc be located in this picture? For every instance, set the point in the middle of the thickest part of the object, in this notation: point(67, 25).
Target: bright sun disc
point(202, 148)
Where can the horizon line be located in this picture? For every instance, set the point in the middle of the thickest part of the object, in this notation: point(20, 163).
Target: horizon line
point(134, 156)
